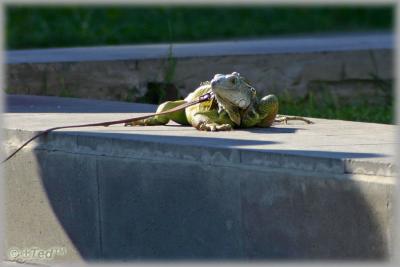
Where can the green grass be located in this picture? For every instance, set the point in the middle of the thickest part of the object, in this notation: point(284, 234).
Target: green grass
point(364, 111)
point(39, 27)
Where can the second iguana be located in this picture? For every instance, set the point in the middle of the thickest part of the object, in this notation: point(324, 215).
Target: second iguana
point(235, 105)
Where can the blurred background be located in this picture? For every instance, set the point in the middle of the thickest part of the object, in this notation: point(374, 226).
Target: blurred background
point(29, 27)
point(40, 27)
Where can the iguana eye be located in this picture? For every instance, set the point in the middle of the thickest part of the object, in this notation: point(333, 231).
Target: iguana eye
point(253, 91)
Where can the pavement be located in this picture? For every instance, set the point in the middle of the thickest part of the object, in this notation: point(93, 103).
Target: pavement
point(355, 146)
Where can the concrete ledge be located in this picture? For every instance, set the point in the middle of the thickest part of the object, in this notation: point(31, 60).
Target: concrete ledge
point(347, 65)
point(307, 44)
point(296, 191)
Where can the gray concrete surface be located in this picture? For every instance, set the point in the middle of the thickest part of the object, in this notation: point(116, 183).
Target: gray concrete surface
point(349, 66)
point(296, 191)
point(44, 104)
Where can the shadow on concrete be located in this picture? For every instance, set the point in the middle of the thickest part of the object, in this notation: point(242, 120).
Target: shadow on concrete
point(180, 140)
point(274, 130)
point(270, 130)
point(141, 209)
point(221, 142)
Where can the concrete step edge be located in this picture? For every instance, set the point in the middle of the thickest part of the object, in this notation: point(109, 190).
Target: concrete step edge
point(103, 145)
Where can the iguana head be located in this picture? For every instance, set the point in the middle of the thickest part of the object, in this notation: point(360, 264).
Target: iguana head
point(233, 94)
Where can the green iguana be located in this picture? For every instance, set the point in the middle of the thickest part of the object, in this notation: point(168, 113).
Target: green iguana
point(235, 105)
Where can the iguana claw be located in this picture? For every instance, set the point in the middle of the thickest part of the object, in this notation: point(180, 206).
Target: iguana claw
point(214, 127)
point(284, 119)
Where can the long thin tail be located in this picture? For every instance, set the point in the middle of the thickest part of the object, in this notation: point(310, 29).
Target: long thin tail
point(202, 98)
point(23, 145)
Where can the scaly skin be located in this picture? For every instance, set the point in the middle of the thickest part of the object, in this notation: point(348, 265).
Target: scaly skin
point(235, 105)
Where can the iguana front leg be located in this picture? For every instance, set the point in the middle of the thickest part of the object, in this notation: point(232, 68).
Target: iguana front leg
point(211, 121)
point(213, 127)
point(268, 109)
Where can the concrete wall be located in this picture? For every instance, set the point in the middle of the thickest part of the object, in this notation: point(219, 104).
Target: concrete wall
point(351, 67)
point(114, 199)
